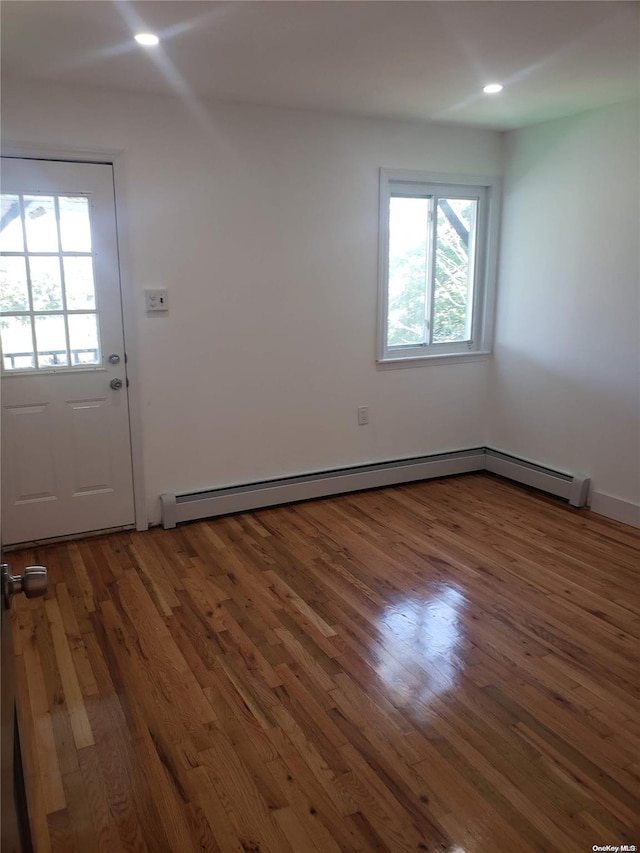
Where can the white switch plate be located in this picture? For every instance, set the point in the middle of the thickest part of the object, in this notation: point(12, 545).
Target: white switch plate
point(156, 300)
point(363, 415)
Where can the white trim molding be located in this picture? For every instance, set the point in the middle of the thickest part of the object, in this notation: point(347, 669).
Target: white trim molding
point(620, 510)
point(486, 191)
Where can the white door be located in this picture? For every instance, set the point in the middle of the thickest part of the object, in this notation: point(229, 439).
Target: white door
point(66, 452)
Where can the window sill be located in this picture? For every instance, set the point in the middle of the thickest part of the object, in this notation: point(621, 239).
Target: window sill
point(424, 360)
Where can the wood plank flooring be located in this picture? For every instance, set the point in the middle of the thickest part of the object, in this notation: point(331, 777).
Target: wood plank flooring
point(449, 665)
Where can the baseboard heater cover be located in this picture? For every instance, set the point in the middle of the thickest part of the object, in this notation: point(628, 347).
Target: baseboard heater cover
point(189, 506)
point(572, 487)
point(193, 505)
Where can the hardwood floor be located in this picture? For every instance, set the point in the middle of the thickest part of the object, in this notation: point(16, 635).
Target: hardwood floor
point(449, 665)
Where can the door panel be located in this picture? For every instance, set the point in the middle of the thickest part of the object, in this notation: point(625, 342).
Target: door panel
point(28, 429)
point(66, 449)
point(89, 427)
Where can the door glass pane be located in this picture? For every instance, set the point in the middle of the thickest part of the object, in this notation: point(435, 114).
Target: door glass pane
point(83, 339)
point(78, 283)
point(75, 227)
point(40, 222)
point(408, 227)
point(17, 343)
point(46, 288)
point(51, 340)
point(11, 239)
point(45, 277)
point(14, 293)
point(453, 286)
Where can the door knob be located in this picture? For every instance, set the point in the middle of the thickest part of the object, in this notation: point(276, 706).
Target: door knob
point(116, 384)
point(32, 582)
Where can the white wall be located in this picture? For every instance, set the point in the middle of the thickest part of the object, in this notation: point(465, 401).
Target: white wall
point(566, 373)
point(262, 224)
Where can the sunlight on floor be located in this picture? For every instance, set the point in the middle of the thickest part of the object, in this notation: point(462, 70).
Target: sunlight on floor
point(421, 638)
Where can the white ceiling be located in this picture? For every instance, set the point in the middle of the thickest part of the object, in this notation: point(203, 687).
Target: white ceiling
point(409, 60)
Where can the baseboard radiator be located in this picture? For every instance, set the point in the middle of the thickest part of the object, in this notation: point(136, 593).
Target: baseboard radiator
point(189, 506)
point(573, 487)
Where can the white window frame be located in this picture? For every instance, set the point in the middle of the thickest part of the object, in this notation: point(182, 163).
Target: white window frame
point(487, 190)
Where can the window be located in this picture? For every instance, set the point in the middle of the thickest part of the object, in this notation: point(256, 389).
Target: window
point(438, 238)
point(48, 318)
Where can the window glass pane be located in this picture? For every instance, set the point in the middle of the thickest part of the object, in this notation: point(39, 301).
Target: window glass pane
point(75, 228)
point(78, 283)
point(46, 289)
point(14, 293)
point(51, 340)
point(408, 226)
point(83, 339)
point(40, 222)
point(17, 343)
point(453, 286)
point(10, 224)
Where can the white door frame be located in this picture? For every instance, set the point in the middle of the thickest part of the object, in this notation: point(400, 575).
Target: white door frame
point(116, 159)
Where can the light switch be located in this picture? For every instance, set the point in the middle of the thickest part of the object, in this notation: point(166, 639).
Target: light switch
point(156, 300)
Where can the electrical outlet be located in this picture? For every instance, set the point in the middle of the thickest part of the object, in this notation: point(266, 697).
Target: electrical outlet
point(363, 415)
point(156, 300)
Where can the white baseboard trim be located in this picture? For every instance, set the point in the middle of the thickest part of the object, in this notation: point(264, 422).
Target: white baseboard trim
point(189, 506)
point(616, 508)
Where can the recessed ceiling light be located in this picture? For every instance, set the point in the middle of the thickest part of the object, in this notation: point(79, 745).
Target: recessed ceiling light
point(493, 88)
point(147, 39)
